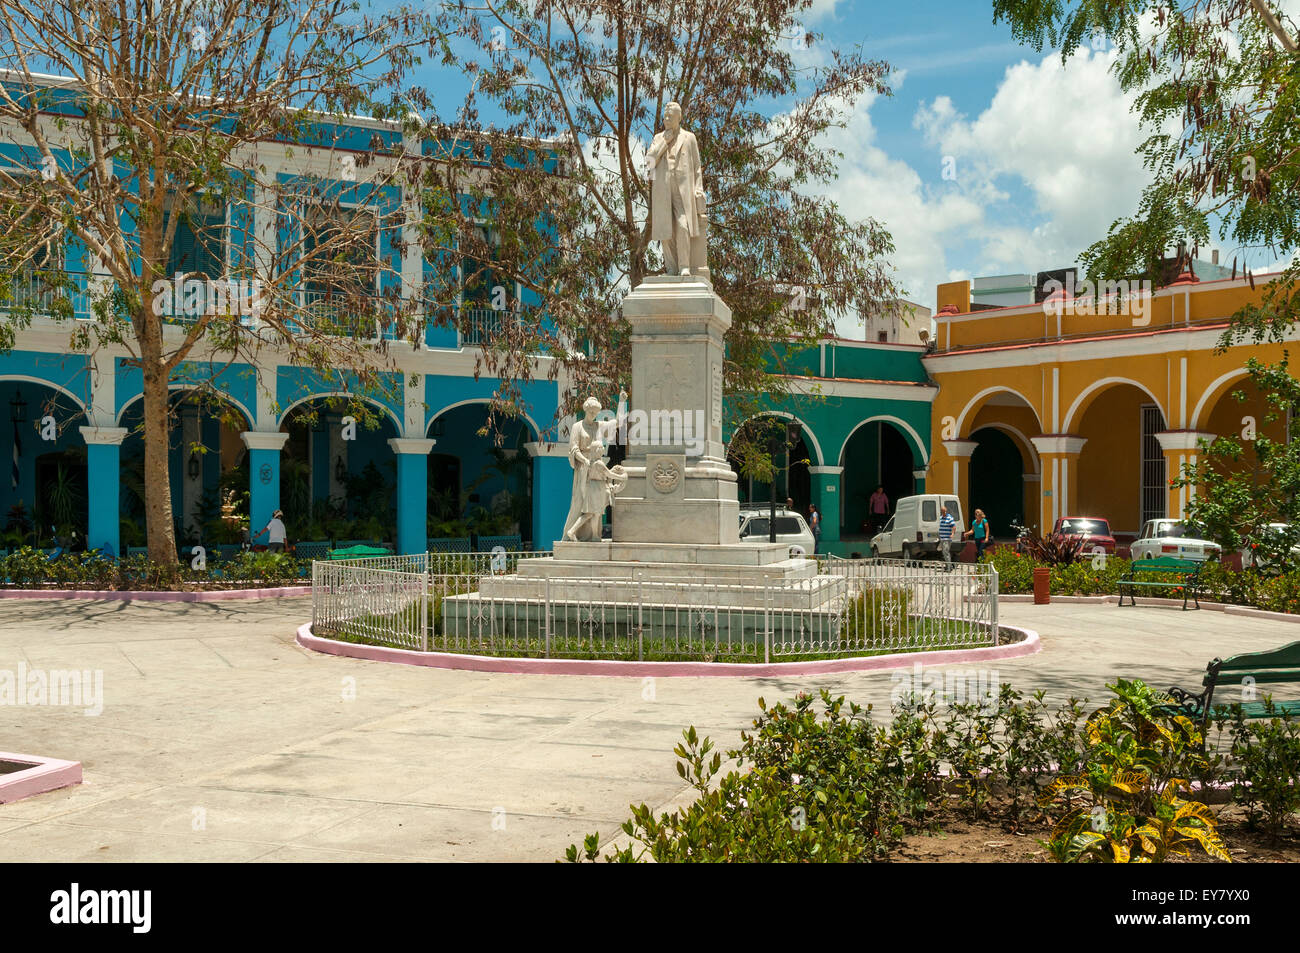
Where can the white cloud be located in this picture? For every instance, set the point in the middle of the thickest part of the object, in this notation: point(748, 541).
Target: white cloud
point(1067, 134)
point(1041, 173)
point(874, 185)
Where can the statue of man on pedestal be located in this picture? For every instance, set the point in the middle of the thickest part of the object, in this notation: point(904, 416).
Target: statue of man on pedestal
point(677, 202)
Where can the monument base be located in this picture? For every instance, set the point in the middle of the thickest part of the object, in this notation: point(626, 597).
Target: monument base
point(698, 563)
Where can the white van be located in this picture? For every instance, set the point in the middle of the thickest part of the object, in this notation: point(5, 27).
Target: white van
point(913, 531)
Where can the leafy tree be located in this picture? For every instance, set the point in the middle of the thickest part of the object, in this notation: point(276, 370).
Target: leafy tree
point(1244, 483)
point(1216, 84)
point(161, 119)
point(579, 88)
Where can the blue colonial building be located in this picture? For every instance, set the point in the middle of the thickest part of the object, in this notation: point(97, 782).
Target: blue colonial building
point(424, 466)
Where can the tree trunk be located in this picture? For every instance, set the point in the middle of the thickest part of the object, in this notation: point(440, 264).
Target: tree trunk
point(159, 525)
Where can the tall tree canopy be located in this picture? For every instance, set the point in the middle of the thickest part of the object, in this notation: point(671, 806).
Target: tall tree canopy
point(128, 124)
point(565, 97)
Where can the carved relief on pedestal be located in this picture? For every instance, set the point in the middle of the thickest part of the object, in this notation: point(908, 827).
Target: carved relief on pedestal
point(665, 476)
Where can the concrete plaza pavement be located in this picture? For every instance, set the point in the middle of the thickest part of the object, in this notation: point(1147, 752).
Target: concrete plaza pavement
point(221, 739)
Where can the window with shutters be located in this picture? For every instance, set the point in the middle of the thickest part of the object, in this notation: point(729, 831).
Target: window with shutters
point(199, 242)
point(487, 298)
point(340, 252)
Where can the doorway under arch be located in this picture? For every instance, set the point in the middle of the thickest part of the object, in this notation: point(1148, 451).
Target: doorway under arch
point(997, 482)
point(876, 454)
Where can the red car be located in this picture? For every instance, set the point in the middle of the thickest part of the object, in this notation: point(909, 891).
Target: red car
point(1095, 532)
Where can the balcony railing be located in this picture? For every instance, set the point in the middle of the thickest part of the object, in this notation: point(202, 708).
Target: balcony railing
point(31, 293)
point(363, 316)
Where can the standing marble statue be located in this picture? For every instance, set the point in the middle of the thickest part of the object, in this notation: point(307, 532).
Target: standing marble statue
point(677, 202)
point(595, 483)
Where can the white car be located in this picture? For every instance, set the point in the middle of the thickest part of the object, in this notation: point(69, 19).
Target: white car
point(790, 528)
point(1248, 553)
point(1173, 538)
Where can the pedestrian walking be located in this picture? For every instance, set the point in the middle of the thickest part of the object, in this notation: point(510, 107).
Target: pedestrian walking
point(979, 531)
point(276, 535)
point(946, 524)
point(879, 510)
point(815, 522)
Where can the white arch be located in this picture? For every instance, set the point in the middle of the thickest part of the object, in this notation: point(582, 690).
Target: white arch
point(1069, 414)
point(323, 395)
point(1020, 437)
point(903, 425)
point(807, 431)
point(1195, 422)
point(537, 431)
point(961, 418)
point(117, 419)
point(52, 386)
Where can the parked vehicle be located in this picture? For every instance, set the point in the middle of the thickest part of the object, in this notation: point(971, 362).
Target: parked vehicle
point(1176, 538)
point(913, 531)
point(790, 528)
point(1094, 532)
point(1249, 557)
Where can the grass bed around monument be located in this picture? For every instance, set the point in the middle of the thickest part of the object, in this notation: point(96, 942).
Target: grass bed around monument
point(921, 635)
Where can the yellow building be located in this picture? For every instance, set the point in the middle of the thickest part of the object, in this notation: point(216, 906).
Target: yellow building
point(1076, 407)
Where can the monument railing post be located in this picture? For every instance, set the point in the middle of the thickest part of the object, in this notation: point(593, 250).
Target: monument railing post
point(546, 620)
point(767, 624)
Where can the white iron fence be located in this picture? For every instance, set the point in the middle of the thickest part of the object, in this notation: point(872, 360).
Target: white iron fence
point(370, 604)
point(478, 603)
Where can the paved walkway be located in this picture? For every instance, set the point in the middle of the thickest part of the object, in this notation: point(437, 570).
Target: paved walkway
point(222, 740)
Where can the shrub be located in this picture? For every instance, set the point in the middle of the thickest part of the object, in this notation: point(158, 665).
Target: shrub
point(1015, 572)
point(818, 789)
point(1266, 754)
point(828, 785)
point(1054, 550)
point(1089, 577)
point(877, 613)
point(26, 568)
point(1136, 771)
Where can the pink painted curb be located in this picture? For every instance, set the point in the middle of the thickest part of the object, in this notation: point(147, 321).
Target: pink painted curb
point(1224, 607)
point(45, 774)
point(530, 666)
point(144, 595)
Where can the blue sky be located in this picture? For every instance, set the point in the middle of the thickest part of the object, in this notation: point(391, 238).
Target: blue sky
point(1039, 155)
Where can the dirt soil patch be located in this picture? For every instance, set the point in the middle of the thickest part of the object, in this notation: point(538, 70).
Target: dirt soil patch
point(994, 841)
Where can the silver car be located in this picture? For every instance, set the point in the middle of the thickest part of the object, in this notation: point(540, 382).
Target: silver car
point(790, 529)
point(1174, 538)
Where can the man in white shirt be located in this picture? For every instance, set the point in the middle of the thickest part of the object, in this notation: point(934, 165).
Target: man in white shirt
point(276, 534)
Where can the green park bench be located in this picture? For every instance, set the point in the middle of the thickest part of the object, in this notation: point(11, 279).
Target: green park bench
point(1188, 572)
point(1247, 672)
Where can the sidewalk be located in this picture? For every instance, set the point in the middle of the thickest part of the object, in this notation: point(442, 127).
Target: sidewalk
point(220, 739)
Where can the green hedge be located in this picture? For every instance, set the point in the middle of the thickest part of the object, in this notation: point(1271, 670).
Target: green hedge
point(1221, 583)
point(28, 568)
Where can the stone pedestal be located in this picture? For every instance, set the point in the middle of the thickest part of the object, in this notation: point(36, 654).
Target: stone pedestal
point(735, 563)
point(680, 487)
point(676, 525)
